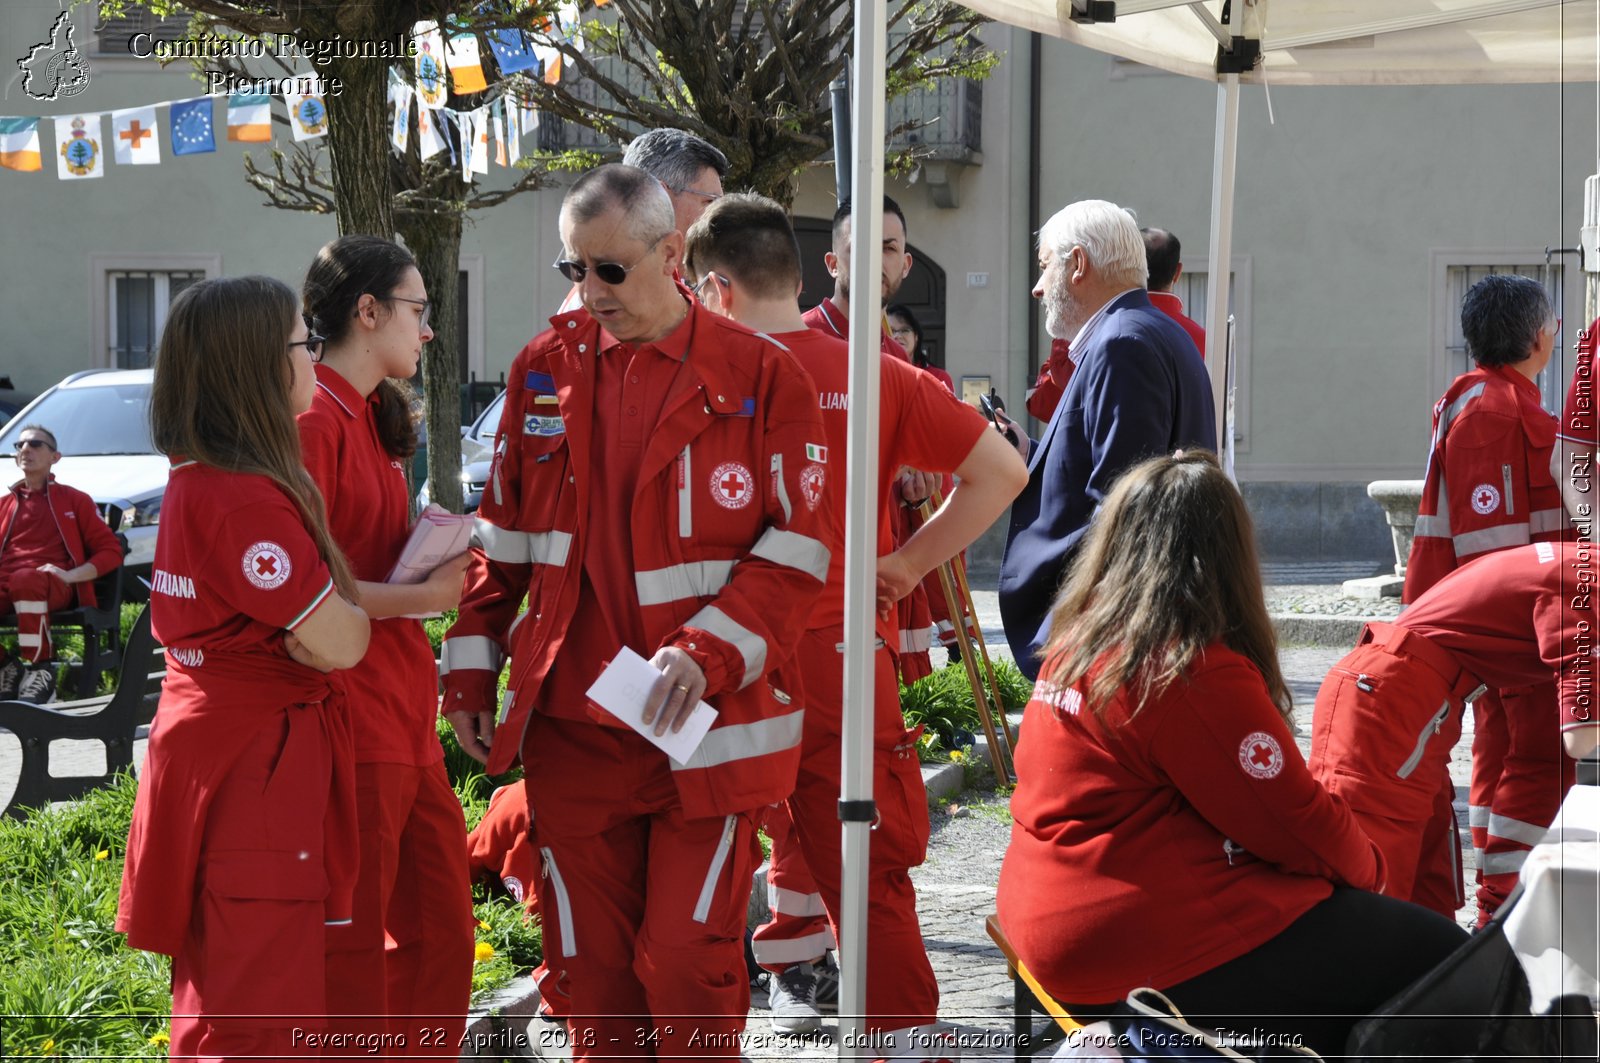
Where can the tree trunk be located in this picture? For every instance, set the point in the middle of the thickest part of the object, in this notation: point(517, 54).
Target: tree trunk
point(435, 240)
point(358, 144)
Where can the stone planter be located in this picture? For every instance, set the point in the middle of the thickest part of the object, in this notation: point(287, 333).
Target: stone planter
point(1399, 499)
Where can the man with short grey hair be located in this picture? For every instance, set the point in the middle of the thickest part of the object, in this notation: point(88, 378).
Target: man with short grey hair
point(690, 167)
point(1138, 391)
point(650, 492)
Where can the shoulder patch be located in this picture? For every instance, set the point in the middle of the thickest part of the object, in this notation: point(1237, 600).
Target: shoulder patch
point(1485, 499)
point(1260, 755)
point(266, 565)
point(540, 383)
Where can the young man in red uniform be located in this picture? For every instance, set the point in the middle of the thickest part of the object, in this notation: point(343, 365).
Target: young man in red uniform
point(832, 317)
point(52, 545)
point(1389, 712)
point(1164, 255)
point(648, 490)
point(746, 258)
point(1491, 484)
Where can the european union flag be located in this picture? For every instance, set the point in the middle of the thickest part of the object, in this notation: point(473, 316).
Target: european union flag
point(512, 51)
point(191, 127)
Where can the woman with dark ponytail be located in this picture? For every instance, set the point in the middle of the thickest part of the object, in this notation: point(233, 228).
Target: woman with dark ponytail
point(241, 856)
point(404, 966)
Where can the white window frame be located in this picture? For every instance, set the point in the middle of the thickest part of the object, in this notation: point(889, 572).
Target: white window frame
point(1242, 286)
point(102, 266)
point(1440, 370)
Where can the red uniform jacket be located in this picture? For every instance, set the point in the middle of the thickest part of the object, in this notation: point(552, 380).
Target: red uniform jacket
point(1172, 306)
point(1045, 395)
point(1146, 851)
point(84, 534)
point(1490, 482)
point(726, 573)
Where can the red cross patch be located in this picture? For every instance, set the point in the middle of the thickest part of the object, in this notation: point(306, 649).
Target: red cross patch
point(732, 485)
point(266, 565)
point(1485, 499)
point(811, 481)
point(1260, 755)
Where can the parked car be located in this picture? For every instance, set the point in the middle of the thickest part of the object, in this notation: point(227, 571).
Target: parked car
point(477, 448)
point(101, 421)
point(11, 400)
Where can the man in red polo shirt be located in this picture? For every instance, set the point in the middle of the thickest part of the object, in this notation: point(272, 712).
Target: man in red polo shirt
point(747, 260)
point(1163, 254)
point(1390, 711)
point(52, 545)
point(1490, 485)
point(649, 490)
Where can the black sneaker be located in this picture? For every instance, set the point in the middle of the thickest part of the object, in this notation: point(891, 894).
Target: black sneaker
point(792, 1000)
point(38, 685)
point(827, 973)
point(11, 678)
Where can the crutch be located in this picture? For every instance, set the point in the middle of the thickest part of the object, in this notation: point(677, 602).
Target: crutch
point(952, 575)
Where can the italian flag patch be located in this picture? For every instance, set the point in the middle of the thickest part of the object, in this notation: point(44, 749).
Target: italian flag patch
point(816, 454)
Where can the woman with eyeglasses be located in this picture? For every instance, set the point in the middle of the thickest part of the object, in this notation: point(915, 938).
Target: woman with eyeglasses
point(906, 330)
point(1167, 832)
point(241, 855)
point(409, 950)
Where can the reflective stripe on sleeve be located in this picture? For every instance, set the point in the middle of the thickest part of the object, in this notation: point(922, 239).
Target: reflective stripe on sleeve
point(795, 903)
point(743, 741)
point(794, 550)
point(1547, 520)
point(1504, 863)
point(1515, 830)
point(501, 544)
point(915, 641)
point(694, 579)
point(469, 653)
point(1490, 539)
point(752, 647)
point(1453, 411)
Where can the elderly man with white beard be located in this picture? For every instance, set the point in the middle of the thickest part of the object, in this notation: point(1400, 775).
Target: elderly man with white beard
point(1140, 389)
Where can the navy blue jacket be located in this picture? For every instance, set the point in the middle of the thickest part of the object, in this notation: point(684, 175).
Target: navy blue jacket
point(1140, 389)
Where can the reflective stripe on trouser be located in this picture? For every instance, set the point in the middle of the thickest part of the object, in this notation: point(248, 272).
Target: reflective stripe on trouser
point(403, 966)
point(799, 928)
point(633, 872)
point(901, 988)
point(33, 596)
point(1377, 717)
point(1535, 775)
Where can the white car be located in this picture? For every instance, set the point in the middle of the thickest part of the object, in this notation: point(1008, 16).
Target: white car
point(101, 421)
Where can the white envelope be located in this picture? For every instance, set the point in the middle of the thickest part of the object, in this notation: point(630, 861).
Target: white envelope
point(622, 690)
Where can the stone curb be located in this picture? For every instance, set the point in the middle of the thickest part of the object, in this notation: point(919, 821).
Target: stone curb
point(1311, 629)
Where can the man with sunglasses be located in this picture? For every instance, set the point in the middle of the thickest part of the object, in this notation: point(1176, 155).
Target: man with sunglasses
point(652, 487)
point(52, 545)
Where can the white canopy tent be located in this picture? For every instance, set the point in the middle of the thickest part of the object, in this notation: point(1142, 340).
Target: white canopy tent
point(1284, 42)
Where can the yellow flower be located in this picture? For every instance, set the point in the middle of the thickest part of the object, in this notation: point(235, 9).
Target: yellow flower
point(483, 924)
point(103, 854)
point(482, 951)
point(957, 756)
point(160, 1038)
point(47, 1046)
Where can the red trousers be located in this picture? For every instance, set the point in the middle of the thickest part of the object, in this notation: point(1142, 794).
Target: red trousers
point(901, 988)
point(249, 981)
point(403, 967)
point(33, 596)
point(1515, 795)
point(799, 929)
point(649, 906)
point(1386, 718)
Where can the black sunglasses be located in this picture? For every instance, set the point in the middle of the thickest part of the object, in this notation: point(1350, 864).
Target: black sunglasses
point(19, 444)
point(612, 273)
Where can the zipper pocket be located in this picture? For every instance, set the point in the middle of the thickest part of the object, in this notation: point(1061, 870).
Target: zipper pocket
point(569, 945)
point(1364, 682)
point(685, 498)
point(1505, 481)
point(708, 889)
point(1428, 731)
point(778, 486)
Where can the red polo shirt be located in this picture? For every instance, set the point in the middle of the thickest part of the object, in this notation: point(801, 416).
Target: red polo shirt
point(920, 424)
point(1520, 616)
point(394, 691)
point(828, 319)
point(630, 387)
point(1172, 306)
point(234, 569)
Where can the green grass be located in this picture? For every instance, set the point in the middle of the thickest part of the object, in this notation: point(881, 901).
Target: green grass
point(944, 704)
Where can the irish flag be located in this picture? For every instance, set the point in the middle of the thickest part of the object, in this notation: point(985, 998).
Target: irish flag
point(250, 117)
point(19, 144)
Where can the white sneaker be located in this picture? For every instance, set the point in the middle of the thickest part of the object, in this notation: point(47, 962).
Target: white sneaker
point(792, 1000)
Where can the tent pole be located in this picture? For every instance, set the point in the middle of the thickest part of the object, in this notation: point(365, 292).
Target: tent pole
point(856, 809)
point(1225, 155)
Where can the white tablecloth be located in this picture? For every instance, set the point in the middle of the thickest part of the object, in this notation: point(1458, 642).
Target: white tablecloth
point(1555, 928)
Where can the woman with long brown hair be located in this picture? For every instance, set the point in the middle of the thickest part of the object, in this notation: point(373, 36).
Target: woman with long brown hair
point(404, 967)
point(1167, 832)
point(241, 848)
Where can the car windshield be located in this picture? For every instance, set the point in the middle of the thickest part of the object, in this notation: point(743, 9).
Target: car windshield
point(92, 420)
point(489, 422)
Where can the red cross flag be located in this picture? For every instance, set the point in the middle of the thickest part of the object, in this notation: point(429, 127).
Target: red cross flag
point(133, 135)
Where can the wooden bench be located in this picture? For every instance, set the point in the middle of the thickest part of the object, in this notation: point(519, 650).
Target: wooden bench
point(1029, 999)
point(114, 722)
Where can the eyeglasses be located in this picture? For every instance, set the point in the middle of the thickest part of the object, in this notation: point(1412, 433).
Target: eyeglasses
point(901, 332)
point(41, 443)
point(709, 197)
point(426, 304)
point(710, 276)
point(313, 345)
point(609, 272)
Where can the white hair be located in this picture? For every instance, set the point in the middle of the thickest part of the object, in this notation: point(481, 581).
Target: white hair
point(1108, 235)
